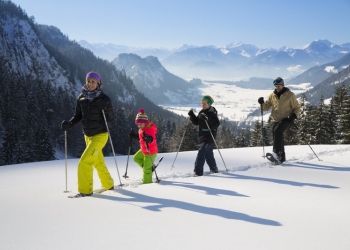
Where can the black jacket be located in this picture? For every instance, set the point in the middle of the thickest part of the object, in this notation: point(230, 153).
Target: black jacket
point(91, 115)
point(213, 122)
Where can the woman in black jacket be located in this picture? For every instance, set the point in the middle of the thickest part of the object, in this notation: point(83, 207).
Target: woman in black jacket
point(90, 104)
point(207, 116)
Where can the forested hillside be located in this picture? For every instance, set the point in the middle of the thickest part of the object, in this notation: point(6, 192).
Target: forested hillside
point(42, 72)
point(327, 87)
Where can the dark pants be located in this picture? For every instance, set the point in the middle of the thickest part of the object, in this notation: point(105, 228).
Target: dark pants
point(278, 129)
point(205, 153)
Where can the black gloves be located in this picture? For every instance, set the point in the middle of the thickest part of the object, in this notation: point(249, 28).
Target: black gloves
point(261, 100)
point(203, 117)
point(292, 117)
point(101, 104)
point(133, 135)
point(147, 138)
point(65, 125)
point(190, 113)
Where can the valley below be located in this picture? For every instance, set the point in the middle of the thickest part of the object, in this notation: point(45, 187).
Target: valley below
point(232, 102)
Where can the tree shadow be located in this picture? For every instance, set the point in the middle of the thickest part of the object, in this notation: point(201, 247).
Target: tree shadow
point(319, 167)
point(283, 182)
point(207, 190)
point(161, 203)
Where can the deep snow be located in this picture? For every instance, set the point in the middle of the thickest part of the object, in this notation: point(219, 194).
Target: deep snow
point(303, 204)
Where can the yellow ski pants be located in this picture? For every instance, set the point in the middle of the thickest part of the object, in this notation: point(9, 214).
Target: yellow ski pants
point(93, 157)
point(145, 162)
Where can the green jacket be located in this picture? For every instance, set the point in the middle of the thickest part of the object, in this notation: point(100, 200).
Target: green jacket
point(282, 106)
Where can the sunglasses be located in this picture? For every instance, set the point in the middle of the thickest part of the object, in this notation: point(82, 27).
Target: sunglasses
point(277, 82)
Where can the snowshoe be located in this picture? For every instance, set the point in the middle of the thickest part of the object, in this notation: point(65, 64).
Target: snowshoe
point(272, 158)
point(79, 195)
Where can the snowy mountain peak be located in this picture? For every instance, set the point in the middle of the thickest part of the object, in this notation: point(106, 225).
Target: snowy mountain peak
point(317, 44)
point(234, 45)
point(154, 81)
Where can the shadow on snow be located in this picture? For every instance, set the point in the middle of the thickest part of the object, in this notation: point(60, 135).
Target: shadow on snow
point(320, 167)
point(161, 203)
point(208, 190)
point(284, 182)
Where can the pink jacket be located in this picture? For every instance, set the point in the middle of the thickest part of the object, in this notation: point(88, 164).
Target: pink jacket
point(149, 129)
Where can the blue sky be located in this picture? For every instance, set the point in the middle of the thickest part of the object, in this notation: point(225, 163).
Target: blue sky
point(170, 23)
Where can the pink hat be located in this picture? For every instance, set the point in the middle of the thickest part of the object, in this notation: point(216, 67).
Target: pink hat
point(141, 117)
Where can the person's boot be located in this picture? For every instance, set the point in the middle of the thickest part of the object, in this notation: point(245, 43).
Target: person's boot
point(283, 157)
point(214, 170)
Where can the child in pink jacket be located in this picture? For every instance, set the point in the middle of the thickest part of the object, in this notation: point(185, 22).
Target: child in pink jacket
point(148, 145)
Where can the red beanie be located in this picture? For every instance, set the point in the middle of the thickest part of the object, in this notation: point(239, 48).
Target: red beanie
point(141, 117)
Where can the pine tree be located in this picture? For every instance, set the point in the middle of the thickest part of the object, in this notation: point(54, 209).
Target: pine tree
point(30, 145)
point(303, 123)
point(321, 132)
point(331, 122)
point(345, 118)
point(17, 148)
point(268, 132)
point(189, 133)
point(45, 151)
point(243, 139)
point(224, 137)
point(8, 147)
point(256, 139)
point(267, 135)
point(1, 124)
point(339, 102)
point(119, 132)
point(169, 130)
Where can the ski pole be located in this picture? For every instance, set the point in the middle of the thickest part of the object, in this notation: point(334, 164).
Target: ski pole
point(127, 162)
point(172, 166)
point(65, 157)
point(307, 142)
point(110, 140)
point(216, 144)
point(262, 131)
point(149, 153)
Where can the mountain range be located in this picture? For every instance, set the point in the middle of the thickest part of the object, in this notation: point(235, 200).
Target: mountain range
point(155, 82)
point(236, 60)
point(110, 51)
point(317, 74)
point(324, 79)
point(327, 87)
point(164, 88)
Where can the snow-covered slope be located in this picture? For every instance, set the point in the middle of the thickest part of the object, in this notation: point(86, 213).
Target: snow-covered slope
point(24, 54)
point(303, 204)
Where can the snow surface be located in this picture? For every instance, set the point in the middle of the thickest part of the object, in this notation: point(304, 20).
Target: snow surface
point(28, 57)
point(303, 204)
point(331, 69)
